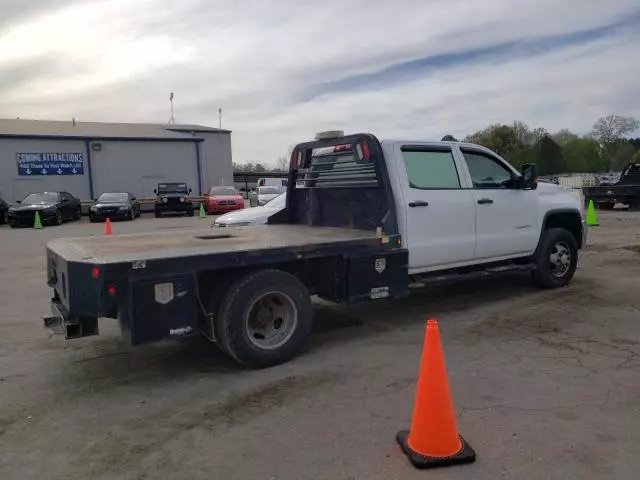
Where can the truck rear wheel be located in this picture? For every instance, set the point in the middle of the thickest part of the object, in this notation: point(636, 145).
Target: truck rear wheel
point(557, 258)
point(264, 318)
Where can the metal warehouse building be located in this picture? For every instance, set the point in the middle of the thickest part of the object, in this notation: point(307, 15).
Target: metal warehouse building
point(88, 158)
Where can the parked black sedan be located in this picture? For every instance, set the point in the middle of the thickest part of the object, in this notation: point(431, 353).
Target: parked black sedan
point(4, 209)
point(115, 206)
point(53, 207)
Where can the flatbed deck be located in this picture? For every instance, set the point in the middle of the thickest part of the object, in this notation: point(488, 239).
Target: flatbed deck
point(186, 243)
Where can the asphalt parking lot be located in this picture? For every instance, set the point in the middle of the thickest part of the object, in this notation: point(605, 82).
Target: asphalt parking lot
point(546, 384)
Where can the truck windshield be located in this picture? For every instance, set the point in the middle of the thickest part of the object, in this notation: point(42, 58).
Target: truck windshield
point(222, 191)
point(172, 188)
point(113, 197)
point(38, 198)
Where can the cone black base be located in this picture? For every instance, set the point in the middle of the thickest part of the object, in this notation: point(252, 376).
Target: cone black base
point(465, 455)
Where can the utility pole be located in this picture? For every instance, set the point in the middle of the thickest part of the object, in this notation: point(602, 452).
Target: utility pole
point(172, 120)
point(220, 118)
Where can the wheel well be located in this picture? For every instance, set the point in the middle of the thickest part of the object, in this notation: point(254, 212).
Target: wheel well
point(570, 221)
point(322, 276)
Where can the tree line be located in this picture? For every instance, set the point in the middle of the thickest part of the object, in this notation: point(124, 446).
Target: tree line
point(606, 148)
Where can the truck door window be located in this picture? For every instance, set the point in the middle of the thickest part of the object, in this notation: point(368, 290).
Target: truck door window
point(430, 169)
point(487, 172)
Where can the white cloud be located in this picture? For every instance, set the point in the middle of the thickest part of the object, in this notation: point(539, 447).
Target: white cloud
point(117, 60)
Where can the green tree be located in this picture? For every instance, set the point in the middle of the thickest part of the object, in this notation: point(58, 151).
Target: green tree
point(564, 136)
point(583, 155)
point(448, 138)
point(501, 139)
point(548, 156)
point(620, 154)
point(636, 158)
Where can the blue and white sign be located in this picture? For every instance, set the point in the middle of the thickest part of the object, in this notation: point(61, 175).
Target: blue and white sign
point(31, 164)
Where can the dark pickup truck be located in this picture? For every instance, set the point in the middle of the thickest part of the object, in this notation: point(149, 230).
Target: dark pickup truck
point(364, 220)
point(626, 190)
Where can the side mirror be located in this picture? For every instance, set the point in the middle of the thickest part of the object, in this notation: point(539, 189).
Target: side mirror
point(155, 191)
point(190, 190)
point(133, 199)
point(18, 201)
point(529, 176)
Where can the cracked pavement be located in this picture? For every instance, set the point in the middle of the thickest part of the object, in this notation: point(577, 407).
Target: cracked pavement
point(546, 384)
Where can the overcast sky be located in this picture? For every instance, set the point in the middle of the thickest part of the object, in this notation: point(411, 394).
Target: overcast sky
point(282, 70)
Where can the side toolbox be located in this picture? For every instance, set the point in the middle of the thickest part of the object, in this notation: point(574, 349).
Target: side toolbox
point(162, 308)
point(378, 276)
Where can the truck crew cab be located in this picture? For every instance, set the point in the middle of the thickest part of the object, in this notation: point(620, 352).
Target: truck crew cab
point(365, 219)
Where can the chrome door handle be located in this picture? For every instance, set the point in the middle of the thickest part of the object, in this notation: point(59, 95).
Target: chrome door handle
point(484, 201)
point(419, 203)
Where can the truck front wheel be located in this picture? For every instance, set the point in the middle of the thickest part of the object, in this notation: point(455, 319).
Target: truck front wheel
point(264, 318)
point(557, 258)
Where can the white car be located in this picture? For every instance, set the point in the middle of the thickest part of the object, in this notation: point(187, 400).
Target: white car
point(252, 216)
point(262, 195)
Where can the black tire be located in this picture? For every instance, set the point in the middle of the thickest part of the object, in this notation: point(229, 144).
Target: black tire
point(191, 212)
point(606, 205)
point(232, 324)
point(77, 214)
point(59, 218)
point(156, 214)
point(92, 219)
point(544, 274)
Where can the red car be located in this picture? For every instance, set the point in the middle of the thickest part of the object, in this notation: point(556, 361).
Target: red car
point(223, 200)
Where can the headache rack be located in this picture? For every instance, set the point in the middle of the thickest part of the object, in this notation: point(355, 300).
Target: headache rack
point(340, 181)
point(343, 165)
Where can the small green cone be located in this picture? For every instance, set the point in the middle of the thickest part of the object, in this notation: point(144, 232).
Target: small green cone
point(592, 219)
point(37, 223)
point(203, 214)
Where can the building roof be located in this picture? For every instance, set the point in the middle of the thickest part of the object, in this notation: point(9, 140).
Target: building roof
point(181, 127)
point(100, 130)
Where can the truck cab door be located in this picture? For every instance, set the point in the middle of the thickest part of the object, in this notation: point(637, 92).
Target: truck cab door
point(506, 215)
point(437, 212)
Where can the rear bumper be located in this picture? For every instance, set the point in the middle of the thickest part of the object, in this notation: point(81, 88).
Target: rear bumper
point(63, 323)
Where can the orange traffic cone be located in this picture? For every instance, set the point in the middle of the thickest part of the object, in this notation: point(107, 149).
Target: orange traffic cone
point(433, 440)
point(107, 227)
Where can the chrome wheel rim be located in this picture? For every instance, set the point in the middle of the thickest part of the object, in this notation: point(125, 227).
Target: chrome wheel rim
point(271, 320)
point(560, 259)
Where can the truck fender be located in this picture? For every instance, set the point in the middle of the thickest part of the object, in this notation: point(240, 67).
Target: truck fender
point(567, 218)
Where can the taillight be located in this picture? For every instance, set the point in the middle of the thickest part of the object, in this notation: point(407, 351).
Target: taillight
point(111, 290)
point(366, 153)
point(95, 272)
point(295, 160)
